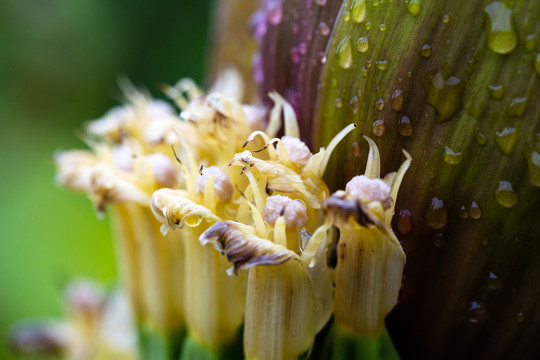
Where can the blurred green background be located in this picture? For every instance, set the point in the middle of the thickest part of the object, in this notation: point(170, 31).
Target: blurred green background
point(59, 65)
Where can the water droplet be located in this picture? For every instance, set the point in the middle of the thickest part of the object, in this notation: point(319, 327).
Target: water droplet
point(463, 212)
point(324, 29)
point(397, 100)
point(368, 25)
point(414, 7)
point(355, 148)
point(438, 240)
point(533, 164)
point(378, 127)
point(446, 18)
point(338, 103)
point(500, 28)
point(506, 140)
point(382, 27)
point(530, 43)
point(481, 139)
point(321, 57)
point(362, 44)
point(476, 312)
point(517, 106)
point(382, 64)
point(426, 51)
point(404, 222)
point(452, 157)
point(409, 74)
point(354, 104)
point(444, 94)
point(321, 2)
point(274, 9)
point(296, 56)
point(494, 283)
point(346, 16)
point(520, 317)
point(405, 127)
point(485, 241)
point(496, 91)
point(537, 64)
point(436, 214)
point(474, 211)
point(358, 10)
point(368, 63)
point(379, 104)
point(505, 194)
point(364, 71)
point(344, 52)
point(375, 3)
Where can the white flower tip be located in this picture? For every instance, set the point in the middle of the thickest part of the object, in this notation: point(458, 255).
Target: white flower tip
point(368, 190)
point(163, 169)
point(297, 150)
point(293, 211)
point(222, 184)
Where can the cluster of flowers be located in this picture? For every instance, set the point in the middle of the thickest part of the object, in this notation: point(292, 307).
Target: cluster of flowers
point(289, 255)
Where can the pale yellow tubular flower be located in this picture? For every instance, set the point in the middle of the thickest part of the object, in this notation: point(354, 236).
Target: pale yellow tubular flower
point(122, 173)
point(279, 321)
point(370, 258)
point(214, 302)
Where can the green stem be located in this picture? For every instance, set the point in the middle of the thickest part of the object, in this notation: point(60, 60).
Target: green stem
point(156, 345)
point(344, 345)
point(194, 350)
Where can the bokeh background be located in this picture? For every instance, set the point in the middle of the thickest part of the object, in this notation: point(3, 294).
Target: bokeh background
point(59, 65)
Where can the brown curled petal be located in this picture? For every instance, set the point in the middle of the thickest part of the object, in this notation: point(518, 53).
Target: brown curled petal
point(243, 248)
point(342, 210)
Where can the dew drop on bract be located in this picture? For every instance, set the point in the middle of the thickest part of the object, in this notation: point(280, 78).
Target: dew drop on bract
point(452, 157)
point(381, 64)
point(474, 211)
point(338, 103)
point(444, 94)
point(506, 140)
point(500, 28)
point(533, 164)
point(344, 52)
point(476, 312)
point(354, 104)
point(537, 63)
point(324, 29)
point(382, 27)
point(358, 10)
point(530, 43)
point(364, 71)
point(362, 44)
point(397, 100)
point(481, 139)
point(505, 195)
point(438, 240)
point(517, 106)
point(379, 104)
point(496, 91)
point(368, 25)
point(404, 222)
point(321, 2)
point(520, 317)
point(405, 127)
point(494, 283)
point(463, 212)
point(321, 57)
point(275, 11)
point(355, 149)
point(446, 18)
point(426, 51)
point(437, 214)
point(378, 127)
point(414, 7)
